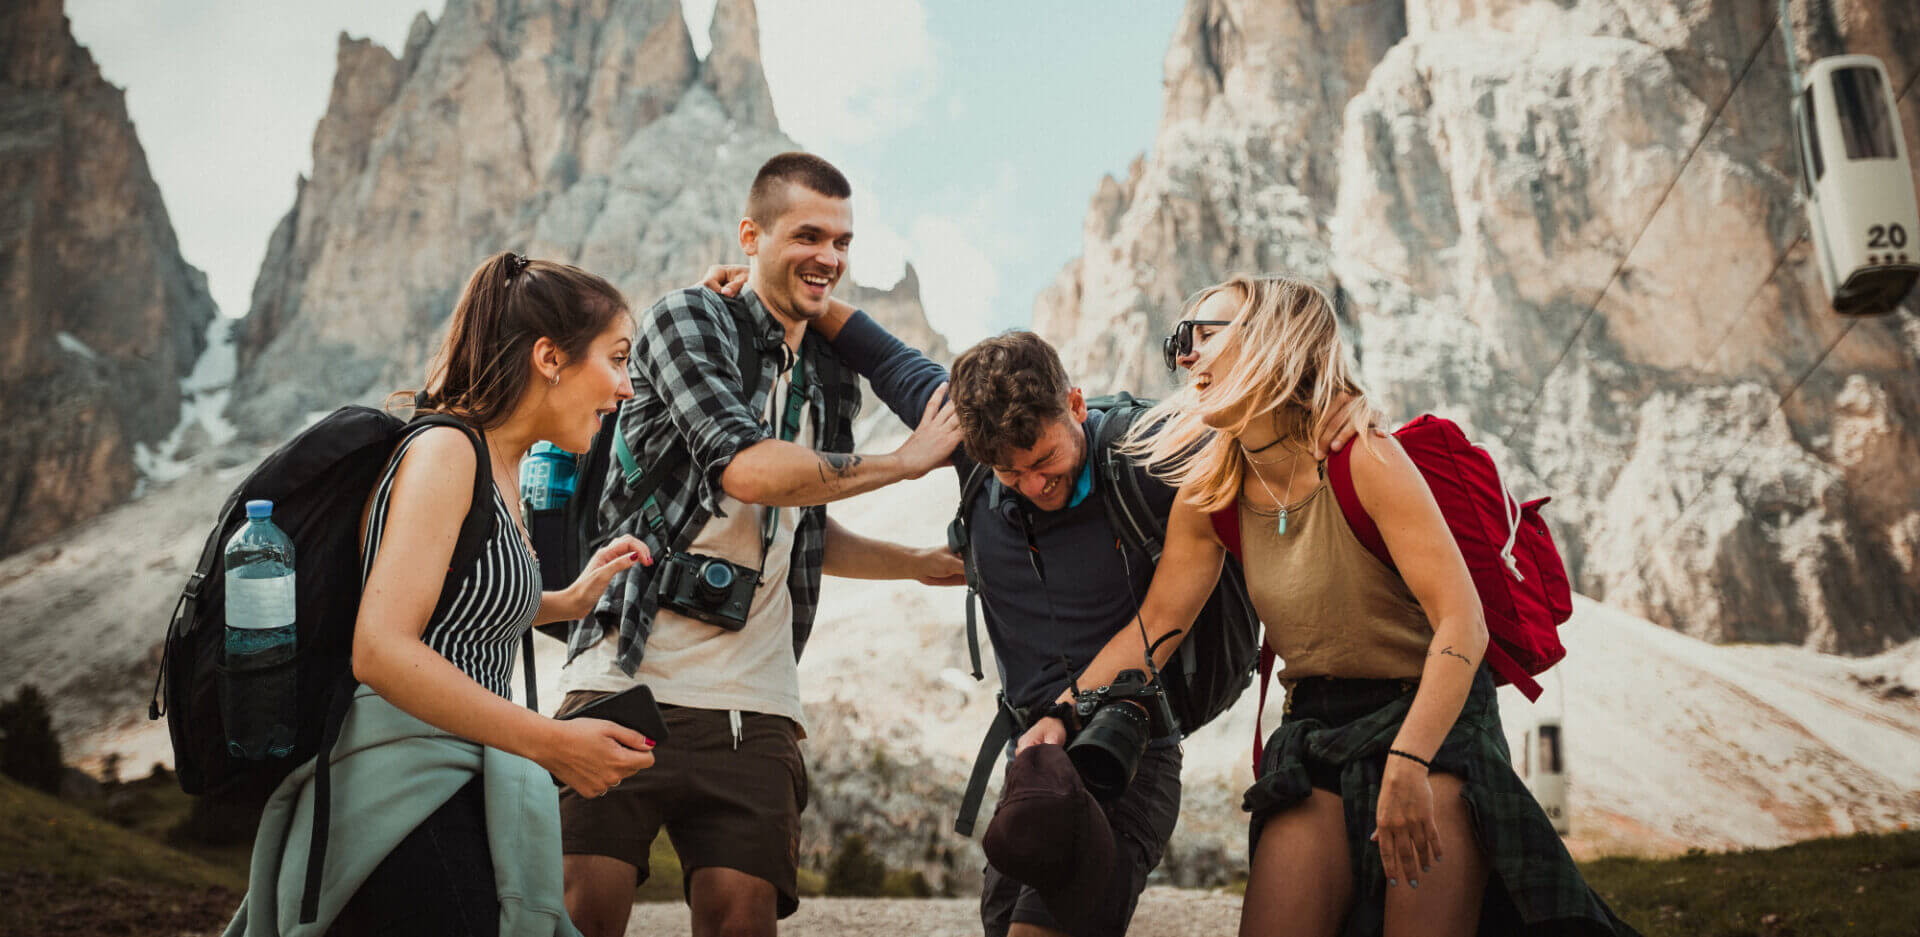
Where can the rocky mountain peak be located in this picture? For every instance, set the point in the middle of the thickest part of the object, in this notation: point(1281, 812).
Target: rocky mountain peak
point(103, 316)
point(732, 68)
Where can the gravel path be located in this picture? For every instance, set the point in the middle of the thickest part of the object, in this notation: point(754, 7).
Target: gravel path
point(1164, 912)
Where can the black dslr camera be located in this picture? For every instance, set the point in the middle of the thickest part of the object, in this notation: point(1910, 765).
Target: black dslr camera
point(707, 588)
point(1117, 721)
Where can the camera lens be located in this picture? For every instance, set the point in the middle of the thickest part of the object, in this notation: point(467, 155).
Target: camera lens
point(715, 578)
point(1107, 752)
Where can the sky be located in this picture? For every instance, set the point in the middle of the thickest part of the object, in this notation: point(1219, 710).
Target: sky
point(973, 131)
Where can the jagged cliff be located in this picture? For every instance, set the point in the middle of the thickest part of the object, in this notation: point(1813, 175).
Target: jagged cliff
point(1484, 186)
point(102, 317)
point(579, 130)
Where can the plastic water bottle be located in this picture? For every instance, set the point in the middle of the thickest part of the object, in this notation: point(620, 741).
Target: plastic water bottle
point(258, 699)
point(547, 477)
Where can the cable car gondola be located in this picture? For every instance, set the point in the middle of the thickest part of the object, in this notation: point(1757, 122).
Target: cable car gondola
point(1858, 185)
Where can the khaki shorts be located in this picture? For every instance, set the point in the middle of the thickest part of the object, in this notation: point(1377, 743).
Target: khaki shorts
point(722, 807)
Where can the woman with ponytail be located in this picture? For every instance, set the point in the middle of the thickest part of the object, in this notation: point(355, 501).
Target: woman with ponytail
point(1385, 802)
point(535, 351)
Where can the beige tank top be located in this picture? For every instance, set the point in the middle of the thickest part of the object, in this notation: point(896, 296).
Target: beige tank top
point(1331, 608)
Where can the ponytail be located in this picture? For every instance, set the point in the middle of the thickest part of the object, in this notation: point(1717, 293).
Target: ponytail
point(509, 303)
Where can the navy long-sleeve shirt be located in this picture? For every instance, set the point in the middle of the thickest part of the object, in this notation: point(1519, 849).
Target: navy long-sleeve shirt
point(1092, 585)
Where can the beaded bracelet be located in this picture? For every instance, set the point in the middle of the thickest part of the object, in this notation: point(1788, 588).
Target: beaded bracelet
point(1422, 762)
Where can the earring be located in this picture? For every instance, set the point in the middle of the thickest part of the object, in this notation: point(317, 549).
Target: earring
point(554, 381)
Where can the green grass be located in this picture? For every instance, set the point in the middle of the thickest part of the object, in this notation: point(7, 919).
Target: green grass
point(65, 871)
point(43, 834)
point(1867, 884)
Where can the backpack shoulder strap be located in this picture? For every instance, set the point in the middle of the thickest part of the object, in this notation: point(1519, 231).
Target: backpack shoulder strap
point(1126, 502)
point(826, 371)
point(477, 528)
point(960, 541)
point(1340, 479)
point(1226, 526)
point(747, 337)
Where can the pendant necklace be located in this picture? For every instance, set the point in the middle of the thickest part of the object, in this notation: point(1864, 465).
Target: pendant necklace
point(1280, 524)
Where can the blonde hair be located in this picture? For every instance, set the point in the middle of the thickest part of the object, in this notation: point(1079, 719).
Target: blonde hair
point(1290, 366)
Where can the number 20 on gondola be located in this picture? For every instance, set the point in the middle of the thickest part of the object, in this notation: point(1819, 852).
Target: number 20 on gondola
point(1858, 185)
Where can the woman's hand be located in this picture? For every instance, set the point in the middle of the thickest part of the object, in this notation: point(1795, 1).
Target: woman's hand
point(1403, 822)
point(1048, 731)
point(726, 279)
point(593, 755)
point(625, 552)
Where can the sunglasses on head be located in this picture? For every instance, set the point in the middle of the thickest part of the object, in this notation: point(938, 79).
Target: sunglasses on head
point(1180, 343)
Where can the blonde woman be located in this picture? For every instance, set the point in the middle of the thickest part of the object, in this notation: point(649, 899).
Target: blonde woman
point(1385, 801)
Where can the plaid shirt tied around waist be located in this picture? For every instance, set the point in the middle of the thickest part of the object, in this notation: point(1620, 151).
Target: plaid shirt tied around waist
point(687, 393)
point(1534, 886)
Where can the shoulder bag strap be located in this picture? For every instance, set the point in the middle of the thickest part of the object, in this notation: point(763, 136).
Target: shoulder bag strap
point(992, 747)
point(1340, 479)
point(960, 540)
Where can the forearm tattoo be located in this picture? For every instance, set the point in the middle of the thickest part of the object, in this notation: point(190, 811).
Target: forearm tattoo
point(1450, 652)
point(836, 466)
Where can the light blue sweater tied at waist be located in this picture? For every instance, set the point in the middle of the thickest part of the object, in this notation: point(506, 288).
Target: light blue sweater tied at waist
point(390, 771)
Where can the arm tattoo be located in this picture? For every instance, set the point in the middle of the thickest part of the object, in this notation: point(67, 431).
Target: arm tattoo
point(1450, 652)
point(841, 463)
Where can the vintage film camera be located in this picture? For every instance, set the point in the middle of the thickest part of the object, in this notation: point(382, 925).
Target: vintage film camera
point(707, 588)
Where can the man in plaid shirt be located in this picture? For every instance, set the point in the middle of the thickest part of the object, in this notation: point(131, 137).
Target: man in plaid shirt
point(745, 477)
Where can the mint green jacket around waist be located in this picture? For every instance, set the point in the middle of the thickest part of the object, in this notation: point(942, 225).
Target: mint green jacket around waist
point(390, 771)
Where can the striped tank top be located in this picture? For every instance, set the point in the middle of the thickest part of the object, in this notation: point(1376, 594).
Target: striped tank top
point(494, 601)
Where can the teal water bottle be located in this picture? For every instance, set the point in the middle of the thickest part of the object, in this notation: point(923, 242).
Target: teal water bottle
point(548, 476)
point(257, 690)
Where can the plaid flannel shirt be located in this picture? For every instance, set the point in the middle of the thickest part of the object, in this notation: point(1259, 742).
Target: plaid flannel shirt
point(1545, 892)
point(687, 393)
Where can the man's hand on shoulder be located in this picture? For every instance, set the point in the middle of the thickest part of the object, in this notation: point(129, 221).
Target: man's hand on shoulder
point(934, 440)
point(939, 566)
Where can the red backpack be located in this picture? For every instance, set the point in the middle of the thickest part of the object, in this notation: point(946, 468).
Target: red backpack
point(1524, 593)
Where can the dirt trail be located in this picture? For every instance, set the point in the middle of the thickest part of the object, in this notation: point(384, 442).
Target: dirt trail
point(1164, 912)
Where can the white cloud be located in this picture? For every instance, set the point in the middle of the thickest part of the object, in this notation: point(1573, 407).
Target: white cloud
point(879, 255)
point(959, 283)
point(845, 73)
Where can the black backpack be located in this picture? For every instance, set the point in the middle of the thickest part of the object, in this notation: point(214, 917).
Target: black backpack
point(318, 483)
point(1215, 661)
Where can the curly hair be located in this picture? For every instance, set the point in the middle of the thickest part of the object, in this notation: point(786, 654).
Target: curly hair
point(1006, 390)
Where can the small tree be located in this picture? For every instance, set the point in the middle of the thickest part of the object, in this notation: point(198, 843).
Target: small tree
point(855, 871)
point(32, 753)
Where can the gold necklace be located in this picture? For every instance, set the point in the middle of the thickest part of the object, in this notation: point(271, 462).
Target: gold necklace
point(516, 514)
point(1280, 524)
